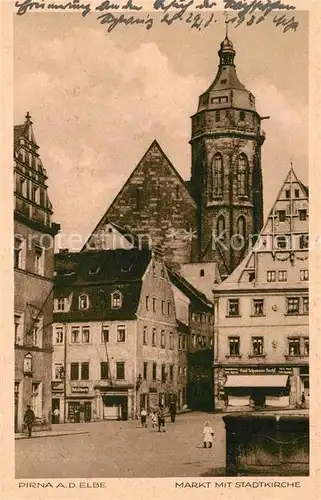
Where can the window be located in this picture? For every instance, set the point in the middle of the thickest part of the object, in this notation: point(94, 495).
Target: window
point(74, 371)
point(306, 346)
point(145, 335)
point(287, 193)
point(59, 332)
point(18, 329)
point(281, 215)
point(202, 273)
point(184, 343)
point(257, 346)
point(217, 175)
point(154, 336)
point(171, 341)
point(179, 371)
point(121, 333)
point(293, 305)
point(35, 194)
point(85, 371)
point(294, 346)
point(304, 241)
point(234, 345)
point(169, 308)
point(304, 274)
point(83, 301)
point(220, 228)
point(297, 193)
point(217, 116)
point(163, 338)
point(180, 342)
point(281, 242)
point(154, 304)
point(18, 253)
point(270, 276)
point(116, 300)
point(36, 399)
point(194, 340)
point(242, 116)
point(86, 334)
point(39, 260)
point(242, 175)
point(163, 373)
point(138, 198)
point(104, 334)
point(258, 307)
point(233, 307)
point(37, 333)
point(305, 303)
point(163, 307)
point(184, 371)
point(241, 227)
point(58, 371)
point(154, 370)
point(104, 375)
point(302, 215)
point(75, 335)
point(145, 368)
point(61, 304)
point(282, 275)
point(147, 302)
point(120, 370)
point(171, 372)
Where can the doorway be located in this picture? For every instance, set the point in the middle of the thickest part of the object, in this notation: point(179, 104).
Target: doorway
point(87, 411)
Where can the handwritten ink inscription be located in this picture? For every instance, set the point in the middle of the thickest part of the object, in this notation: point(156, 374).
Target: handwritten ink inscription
point(197, 14)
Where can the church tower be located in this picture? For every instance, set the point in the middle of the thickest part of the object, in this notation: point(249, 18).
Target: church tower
point(226, 178)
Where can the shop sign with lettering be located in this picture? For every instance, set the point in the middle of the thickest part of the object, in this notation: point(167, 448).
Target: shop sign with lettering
point(257, 370)
point(80, 389)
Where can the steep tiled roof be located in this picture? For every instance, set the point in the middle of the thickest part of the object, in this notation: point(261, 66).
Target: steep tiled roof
point(195, 295)
point(18, 131)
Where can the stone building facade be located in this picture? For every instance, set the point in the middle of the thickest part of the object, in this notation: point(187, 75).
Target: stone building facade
point(115, 335)
point(34, 233)
point(261, 334)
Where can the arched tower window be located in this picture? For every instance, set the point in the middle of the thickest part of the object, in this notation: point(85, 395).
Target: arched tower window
point(217, 175)
point(220, 227)
point(241, 226)
point(242, 175)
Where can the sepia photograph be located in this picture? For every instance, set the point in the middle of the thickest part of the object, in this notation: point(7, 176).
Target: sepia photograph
point(161, 242)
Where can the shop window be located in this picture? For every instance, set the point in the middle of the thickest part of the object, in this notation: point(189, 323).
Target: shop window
point(145, 335)
point(120, 370)
point(171, 341)
point(270, 276)
point(154, 371)
point(145, 368)
point(233, 307)
point(282, 275)
point(104, 334)
point(116, 300)
point(104, 375)
point(302, 215)
point(83, 301)
point(121, 333)
point(163, 339)
point(293, 305)
point(257, 346)
point(59, 335)
point(306, 346)
point(258, 307)
point(171, 372)
point(36, 398)
point(281, 215)
point(294, 346)
point(304, 274)
point(305, 305)
point(163, 373)
point(154, 337)
point(75, 335)
point(234, 346)
point(74, 371)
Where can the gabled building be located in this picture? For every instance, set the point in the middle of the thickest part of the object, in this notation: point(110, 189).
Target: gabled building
point(261, 334)
point(115, 335)
point(34, 234)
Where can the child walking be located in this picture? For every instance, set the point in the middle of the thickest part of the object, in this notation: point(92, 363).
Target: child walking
point(208, 434)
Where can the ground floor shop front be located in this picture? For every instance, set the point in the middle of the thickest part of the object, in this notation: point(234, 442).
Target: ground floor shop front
point(247, 388)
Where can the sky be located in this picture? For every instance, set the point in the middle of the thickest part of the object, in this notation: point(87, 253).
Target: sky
point(99, 99)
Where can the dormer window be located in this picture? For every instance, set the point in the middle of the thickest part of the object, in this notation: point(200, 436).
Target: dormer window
point(83, 301)
point(116, 300)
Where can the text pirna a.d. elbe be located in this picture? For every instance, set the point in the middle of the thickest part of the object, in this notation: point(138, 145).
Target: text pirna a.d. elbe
point(66, 485)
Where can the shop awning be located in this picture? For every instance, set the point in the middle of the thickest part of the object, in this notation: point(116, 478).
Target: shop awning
point(256, 381)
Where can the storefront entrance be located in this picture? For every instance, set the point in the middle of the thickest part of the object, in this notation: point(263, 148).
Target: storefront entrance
point(115, 407)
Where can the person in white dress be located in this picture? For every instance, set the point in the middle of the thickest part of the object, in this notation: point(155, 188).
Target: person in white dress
point(208, 434)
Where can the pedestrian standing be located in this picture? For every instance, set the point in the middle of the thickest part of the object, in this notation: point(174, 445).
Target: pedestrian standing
point(303, 400)
point(172, 410)
point(29, 419)
point(154, 419)
point(143, 417)
point(56, 414)
point(208, 434)
point(161, 419)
